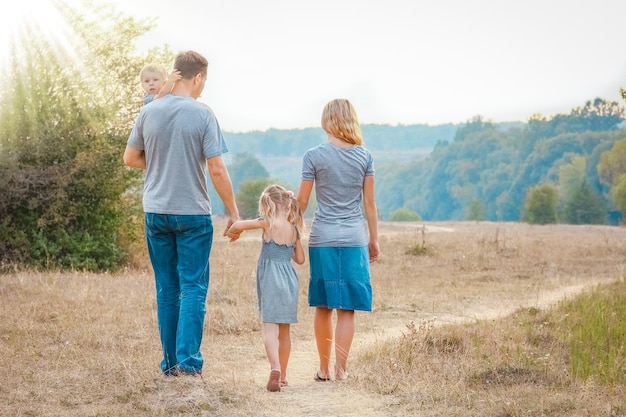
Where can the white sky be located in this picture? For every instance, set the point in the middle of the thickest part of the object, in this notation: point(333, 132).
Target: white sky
point(275, 63)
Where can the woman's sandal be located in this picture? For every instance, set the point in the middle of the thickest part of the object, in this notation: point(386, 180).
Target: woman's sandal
point(340, 375)
point(318, 378)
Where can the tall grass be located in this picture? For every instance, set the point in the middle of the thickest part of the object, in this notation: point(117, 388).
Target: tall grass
point(532, 363)
point(597, 339)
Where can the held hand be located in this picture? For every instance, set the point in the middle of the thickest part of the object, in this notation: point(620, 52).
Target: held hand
point(233, 235)
point(374, 250)
point(232, 231)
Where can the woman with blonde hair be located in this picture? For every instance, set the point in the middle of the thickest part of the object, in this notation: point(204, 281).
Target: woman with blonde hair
point(342, 243)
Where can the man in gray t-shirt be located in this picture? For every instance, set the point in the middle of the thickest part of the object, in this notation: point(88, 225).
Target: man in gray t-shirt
point(175, 139)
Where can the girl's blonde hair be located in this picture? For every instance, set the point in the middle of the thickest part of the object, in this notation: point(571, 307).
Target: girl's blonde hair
point(339, 119)
point(275, 197)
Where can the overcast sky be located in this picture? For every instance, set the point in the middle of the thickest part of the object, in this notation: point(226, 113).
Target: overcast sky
point(275, 63)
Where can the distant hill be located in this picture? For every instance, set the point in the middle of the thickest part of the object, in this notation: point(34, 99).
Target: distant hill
point(281, 150)
point(479, 170)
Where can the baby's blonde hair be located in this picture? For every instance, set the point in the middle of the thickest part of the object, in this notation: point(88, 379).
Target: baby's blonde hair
point(276, 196)
point(153, 69)
point(339, 119)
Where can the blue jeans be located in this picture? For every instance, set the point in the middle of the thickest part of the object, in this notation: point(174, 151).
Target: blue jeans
point(179, 248)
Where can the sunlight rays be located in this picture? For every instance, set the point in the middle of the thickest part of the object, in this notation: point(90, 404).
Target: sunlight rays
point(31, 19)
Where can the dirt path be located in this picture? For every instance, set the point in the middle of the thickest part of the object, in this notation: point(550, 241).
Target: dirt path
point(483, 272)
point(306, 397)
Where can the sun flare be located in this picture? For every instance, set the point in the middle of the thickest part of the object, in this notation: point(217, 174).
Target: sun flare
point(29, 18)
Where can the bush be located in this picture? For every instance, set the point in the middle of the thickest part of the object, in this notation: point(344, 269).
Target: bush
point(248, 197)
point(540, 206)
point(404, 215)
point(68, 201)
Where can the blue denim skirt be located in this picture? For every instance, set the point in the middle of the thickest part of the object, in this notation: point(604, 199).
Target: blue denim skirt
point(340, 278)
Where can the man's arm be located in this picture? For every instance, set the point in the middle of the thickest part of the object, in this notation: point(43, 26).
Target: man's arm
point(224, 187)
point(134, 158)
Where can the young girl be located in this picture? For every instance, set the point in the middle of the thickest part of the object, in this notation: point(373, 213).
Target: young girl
point(277, 282)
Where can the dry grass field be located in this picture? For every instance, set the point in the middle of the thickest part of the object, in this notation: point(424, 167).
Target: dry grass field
point(461, 326)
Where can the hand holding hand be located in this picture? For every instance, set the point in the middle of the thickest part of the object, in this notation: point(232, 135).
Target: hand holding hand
point(232, 230)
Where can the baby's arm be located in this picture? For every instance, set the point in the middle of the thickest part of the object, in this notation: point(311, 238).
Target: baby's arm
point(169, 84)
point(298, 252)
point(242, 225)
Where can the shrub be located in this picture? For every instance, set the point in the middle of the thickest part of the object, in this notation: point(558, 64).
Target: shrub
point(404, 215)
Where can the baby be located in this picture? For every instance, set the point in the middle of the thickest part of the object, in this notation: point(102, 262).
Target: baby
point(155, 81)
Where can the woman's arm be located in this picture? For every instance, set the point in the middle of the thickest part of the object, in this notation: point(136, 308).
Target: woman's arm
point(304, 193)
point(371, 214)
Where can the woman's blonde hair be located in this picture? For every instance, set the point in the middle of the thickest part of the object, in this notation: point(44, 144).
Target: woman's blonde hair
point(276, 196)
point(339, 119)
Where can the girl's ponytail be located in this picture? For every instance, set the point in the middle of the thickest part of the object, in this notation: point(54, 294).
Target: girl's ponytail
point(275, 196)
point(294, 214)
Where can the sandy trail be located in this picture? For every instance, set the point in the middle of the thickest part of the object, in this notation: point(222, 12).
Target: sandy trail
point(306, 397)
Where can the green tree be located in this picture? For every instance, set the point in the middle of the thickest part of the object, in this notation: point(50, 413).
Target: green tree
point(612, 163)
point(540, 206)
point(64, 126)
point(571, 177)
point(476, 210)
point(598, 115)
point(618, 193)
point(612, 173)
point(248, 197)
point(246, 166)
point(585, 206)
point(404, 214)
point(243, 167)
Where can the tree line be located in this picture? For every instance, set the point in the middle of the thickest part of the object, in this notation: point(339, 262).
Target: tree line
point(479, 170)
point(486, 173)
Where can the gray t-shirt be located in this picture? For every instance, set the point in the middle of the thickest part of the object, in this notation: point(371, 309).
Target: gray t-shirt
point(338, 175)
point(178, 134)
